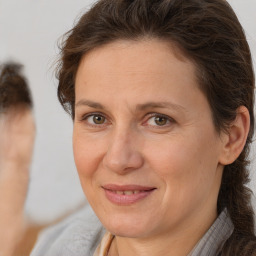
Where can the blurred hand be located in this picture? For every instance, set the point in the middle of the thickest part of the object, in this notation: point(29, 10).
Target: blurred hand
point(17, 133)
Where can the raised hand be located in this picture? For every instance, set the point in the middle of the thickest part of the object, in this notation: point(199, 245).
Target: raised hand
point(17, 133)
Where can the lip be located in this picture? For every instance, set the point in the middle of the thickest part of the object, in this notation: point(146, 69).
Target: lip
point(123, 199)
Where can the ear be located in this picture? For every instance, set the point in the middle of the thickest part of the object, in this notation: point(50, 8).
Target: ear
point(235, 139)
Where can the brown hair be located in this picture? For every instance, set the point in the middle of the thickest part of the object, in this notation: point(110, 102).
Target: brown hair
point(14, 90)
point(209, 33)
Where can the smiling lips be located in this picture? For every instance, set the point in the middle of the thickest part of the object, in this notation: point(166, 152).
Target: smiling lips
point(126, 195)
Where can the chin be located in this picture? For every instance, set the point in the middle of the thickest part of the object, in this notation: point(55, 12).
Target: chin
point(126, 232)
point(127, 227)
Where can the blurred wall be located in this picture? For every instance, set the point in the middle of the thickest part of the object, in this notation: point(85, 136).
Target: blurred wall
point(29, 31)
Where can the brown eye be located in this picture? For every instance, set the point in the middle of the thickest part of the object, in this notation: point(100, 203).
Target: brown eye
point(160, 120)
point(97, 119)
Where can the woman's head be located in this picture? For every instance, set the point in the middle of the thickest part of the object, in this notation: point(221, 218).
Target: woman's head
point(208, 34)
point(142, 124)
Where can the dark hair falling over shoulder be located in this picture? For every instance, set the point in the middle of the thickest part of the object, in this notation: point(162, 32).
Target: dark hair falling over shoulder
point(208, 33)
point(14, 90)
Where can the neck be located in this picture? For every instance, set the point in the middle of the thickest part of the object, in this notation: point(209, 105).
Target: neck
point(178, 243)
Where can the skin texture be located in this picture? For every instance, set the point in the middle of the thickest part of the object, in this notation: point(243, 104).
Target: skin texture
point(182, 158)
point(17, 132)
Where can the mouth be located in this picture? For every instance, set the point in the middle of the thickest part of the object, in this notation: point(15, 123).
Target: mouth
point(128, 194)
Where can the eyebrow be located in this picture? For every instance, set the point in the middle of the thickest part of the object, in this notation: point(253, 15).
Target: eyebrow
point(164, 104)
point(139, 107)
point(89, 103)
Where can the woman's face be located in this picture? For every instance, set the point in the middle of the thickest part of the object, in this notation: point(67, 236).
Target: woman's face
point(145, 147)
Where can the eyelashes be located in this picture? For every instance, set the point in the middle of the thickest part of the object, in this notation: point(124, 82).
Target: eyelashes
point(95, 120)
point(155, 120)
point(160, 120)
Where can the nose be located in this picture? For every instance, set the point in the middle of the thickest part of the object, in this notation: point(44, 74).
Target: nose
point(123, 153)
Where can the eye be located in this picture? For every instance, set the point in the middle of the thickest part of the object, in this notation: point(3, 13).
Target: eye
point(94, 119)
point(159, 120)
point(97, 119)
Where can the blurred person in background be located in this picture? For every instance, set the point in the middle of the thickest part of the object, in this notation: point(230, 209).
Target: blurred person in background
point(17, 134)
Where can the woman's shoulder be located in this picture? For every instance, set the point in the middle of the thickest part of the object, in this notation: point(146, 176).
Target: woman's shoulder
point(76, 235)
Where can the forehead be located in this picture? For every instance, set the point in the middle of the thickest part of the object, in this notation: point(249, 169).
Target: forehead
point(143, 45)
point(137, 70)
point(124, 62)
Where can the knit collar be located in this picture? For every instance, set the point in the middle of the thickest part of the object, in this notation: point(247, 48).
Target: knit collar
point(209, 245)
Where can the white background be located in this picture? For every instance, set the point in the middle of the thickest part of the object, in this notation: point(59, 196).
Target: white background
point(29, 30)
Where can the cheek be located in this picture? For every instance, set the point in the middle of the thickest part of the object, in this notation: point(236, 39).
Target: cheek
point(87, 154)
point(186, 166)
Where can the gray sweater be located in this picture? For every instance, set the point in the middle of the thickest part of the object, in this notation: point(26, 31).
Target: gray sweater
point(80, 234)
